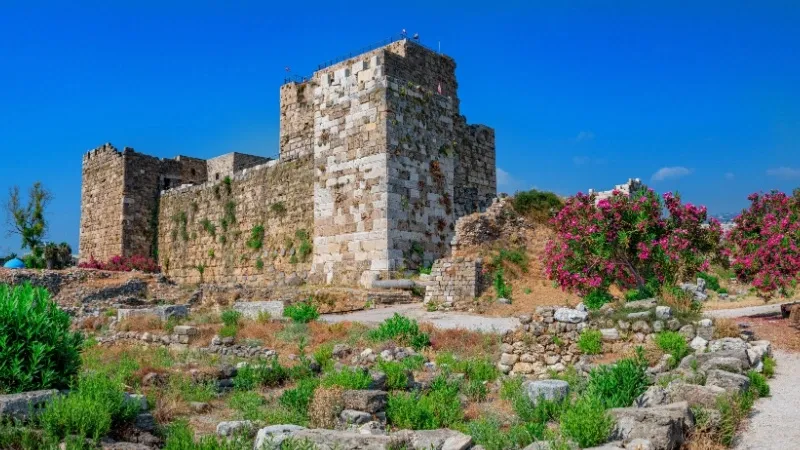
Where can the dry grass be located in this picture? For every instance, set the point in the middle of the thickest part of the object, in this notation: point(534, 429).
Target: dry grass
point(741, 302)
point(726, 328)
point(167, 408)
point(465, 343)
point(703, 440)
point(325, 407)
point(92, 323)
point(142, 323)
point(775, 330)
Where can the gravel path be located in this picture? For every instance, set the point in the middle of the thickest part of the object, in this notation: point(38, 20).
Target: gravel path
point(448, 320)
point(744, 312)
point(773, 423)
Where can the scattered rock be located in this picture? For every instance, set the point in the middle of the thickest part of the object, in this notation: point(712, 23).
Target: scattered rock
point(641, 304)
point(725, 363)
point(610, 334)
point(653, 396)
point(698, 344)
point(371, 401)
point(20, 406)
point(351, 416)
point(731, 382)
point(552, 390)
point(234, 427)
point(687, 331)
point(666, 427)
point(694, 394)
point(270, 438)
point(200, 407)
point(663, 312)
point(568, 315)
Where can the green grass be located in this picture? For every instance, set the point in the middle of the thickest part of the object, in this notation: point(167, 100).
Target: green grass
point(260, 372)
point(587, 422)
point(181, 437)
point(397, 375)
point(248, 404)
point(302, 312)
point(438, 408)
point(298, 398)
point(674, 344)
point(590, 342)
point(769, 366)
point(402, 330)
point(597, 298)
point(618, 385)
point(758, 383)
point(347, 378)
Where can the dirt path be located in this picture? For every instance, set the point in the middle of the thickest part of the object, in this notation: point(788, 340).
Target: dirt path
point(444, 320)
point(744, 312)
point(773, 422)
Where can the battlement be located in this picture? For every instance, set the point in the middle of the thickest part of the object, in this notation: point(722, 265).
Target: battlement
point(376, 164)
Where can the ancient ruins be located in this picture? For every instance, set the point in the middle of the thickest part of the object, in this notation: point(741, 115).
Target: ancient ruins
point(376, 165)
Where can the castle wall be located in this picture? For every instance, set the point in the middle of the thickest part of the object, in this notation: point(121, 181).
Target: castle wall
point(144, 176)
point(421, 166)
point(350, 186)
point(192, 170)
point(209, 226)
point(475, 169)
point(102, 185)
point(296, 121)
point(231, 163)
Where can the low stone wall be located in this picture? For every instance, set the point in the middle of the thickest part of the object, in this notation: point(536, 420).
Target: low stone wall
point(454, 280)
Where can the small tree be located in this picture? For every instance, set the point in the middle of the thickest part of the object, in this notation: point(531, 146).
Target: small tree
point(28, 221)
point(626, 240)
point(764, 245)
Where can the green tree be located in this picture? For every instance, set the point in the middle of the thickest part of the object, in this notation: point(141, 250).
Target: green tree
point(28, 221)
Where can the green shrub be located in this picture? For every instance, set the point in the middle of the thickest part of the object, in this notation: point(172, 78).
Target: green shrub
point(323, 355)
point(758, 383)
point(618, 385)
point(396, 374)
point(732, 409)
point(517, 257)
point(587, 422)
point(249, 404)
point(712, 282)
point(492, 435)
point(256, 240)
point(769, 366)
point(230, 317)
point(673, 343)
point(501, 288)
point(591, 342)
point(597, 298)
point(181, 437)
point(539, 206)
point(302, 312)
point(228, 331)
point(348, 378)
point(401, 329)
point(439, 408)
point(475, 390)
point(480, 369)
point(260, 373)
point(298, 398)
point(37, 348)
point(90, 409)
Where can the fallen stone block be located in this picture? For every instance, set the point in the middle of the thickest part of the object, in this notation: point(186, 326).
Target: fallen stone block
point(24, 405)
point(731, 382)
point(270, 438)
point(251, 310)
point(694, 394)
point(234, 427)
point(550, 390)
point(365, 400)
point(568, 315)
point(726, 363)
point(666, 427)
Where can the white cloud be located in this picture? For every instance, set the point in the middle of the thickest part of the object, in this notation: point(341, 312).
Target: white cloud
point(670, 172)
point(584, 136)
point(784, 172)
point(729, 176)
point(507, 182)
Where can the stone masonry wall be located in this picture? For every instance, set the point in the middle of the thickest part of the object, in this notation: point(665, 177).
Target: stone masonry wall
point(101, 199)
point(350, 222)
point(297, 120)
point(231, 163)
point(452, 279)
point(209, 226)
point(144, 177)
point(421, 174)
point(476, 169)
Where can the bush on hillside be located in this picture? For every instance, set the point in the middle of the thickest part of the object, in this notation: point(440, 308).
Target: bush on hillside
point(627, 241)
point(539, 206)
point(764, 246)
point(37, 348)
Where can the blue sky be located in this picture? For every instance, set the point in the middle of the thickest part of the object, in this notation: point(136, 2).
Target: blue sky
point(700, 99)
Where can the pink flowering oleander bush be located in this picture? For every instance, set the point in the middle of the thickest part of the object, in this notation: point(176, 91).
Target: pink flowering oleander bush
point(764, 245)
point(629, 241)
point(123, 264)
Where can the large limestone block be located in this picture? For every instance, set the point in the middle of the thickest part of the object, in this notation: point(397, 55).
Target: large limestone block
point(666, 427)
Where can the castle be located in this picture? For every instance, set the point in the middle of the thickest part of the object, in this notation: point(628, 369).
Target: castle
point(376, 164)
